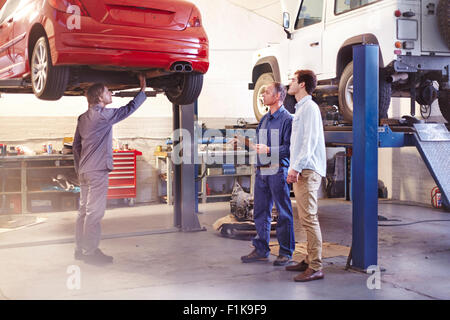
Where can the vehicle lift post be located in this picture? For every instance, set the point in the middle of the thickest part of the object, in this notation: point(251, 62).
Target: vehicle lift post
point(185, 216)
point(431, 140)
point(364, 250)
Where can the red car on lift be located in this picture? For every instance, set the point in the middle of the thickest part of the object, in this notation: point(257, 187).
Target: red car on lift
point(60, 47)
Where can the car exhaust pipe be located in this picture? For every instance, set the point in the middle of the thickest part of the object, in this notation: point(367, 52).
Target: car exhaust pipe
point(178, 67)
point(181, 67)
point(397, 77)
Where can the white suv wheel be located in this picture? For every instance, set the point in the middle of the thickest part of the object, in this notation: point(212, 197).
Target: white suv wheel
point(262, 83)
point(349, 93)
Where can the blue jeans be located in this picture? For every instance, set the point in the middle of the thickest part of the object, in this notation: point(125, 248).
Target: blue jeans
point(270, 189)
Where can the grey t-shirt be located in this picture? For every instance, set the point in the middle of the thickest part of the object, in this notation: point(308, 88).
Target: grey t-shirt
point(92, 144)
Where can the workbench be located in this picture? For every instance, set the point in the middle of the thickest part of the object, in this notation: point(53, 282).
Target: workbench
point(20, 177)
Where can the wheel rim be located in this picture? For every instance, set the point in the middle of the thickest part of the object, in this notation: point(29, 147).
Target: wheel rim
point(39, 66)
point(262, 108)
point(349, 93)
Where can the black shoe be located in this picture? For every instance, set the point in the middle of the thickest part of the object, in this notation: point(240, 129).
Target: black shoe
point(78, 255)
point(98, 258)
point(302, 266)
point(253, 257)
point(281, 260)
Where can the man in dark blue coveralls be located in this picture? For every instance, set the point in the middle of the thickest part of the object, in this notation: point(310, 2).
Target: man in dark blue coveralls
point(92, 152)
point(273, 137)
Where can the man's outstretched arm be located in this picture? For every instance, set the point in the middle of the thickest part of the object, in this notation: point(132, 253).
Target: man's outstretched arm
point(121, 113)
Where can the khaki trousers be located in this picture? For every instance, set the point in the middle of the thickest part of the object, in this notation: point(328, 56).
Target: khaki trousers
point(306, 197)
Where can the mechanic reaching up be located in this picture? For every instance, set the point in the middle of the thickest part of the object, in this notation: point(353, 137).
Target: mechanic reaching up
point(92, 151)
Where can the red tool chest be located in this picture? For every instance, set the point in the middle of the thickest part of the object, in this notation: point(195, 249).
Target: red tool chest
point(122, 180)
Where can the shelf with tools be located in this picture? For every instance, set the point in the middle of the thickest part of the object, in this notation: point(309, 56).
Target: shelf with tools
point(227, 174)
point(207, 174)
point(30, 183)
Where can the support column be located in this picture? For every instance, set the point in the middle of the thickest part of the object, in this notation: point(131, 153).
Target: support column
point(365, 156)
point(184, 173)
point(176, 171)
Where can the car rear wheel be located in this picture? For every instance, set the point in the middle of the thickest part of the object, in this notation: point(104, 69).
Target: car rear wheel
point(48, 82)
point(346, 94)
point(187, 90)
point(259, 108)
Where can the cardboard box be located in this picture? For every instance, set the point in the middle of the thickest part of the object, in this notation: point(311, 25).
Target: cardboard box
point(69, 203)
point(14, 204)
point(243, 170)
point(214, 171)
point(41, 205)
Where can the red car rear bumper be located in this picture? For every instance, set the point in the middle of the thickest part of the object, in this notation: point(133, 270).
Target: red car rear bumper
point(115, 47)
point(126, 58)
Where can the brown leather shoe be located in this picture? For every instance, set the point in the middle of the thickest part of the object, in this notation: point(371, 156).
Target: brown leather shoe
point(309, 275)
point(253, 257)
point(281, 260)
point(300, 267)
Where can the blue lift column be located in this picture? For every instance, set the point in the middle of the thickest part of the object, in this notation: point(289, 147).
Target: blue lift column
point(365, 156)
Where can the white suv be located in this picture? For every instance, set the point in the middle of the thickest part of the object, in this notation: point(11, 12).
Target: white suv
point(413, 37)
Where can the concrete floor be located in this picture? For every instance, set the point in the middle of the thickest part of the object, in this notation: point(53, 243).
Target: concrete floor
point(204, 265)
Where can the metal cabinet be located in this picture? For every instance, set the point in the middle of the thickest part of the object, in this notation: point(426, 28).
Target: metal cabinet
point(122, 180)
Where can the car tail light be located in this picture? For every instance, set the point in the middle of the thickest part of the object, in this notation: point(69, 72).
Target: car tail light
point(195, 20)
point(398, 13)
point(398, 52)
point(63, 5)
point(398, 45)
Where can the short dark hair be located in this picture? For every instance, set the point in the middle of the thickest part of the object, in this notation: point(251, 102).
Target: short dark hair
point(280, 89)
point(94, 93)
point(309, 78)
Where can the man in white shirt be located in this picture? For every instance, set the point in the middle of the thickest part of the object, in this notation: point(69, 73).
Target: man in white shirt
point(307, 167)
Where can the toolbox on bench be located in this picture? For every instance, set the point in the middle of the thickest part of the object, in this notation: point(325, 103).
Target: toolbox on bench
point(122, 180)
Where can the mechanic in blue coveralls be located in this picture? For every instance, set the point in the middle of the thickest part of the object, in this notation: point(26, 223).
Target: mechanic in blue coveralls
point(92, 152)
point(273, 137)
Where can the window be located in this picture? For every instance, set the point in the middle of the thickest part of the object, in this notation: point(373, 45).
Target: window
point(8, 9)
point(341, 6)
point(311, 12)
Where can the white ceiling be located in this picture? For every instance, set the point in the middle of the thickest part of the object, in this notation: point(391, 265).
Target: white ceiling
point(269, 9)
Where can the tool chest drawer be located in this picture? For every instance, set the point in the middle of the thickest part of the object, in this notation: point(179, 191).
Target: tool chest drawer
point(122, 180)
